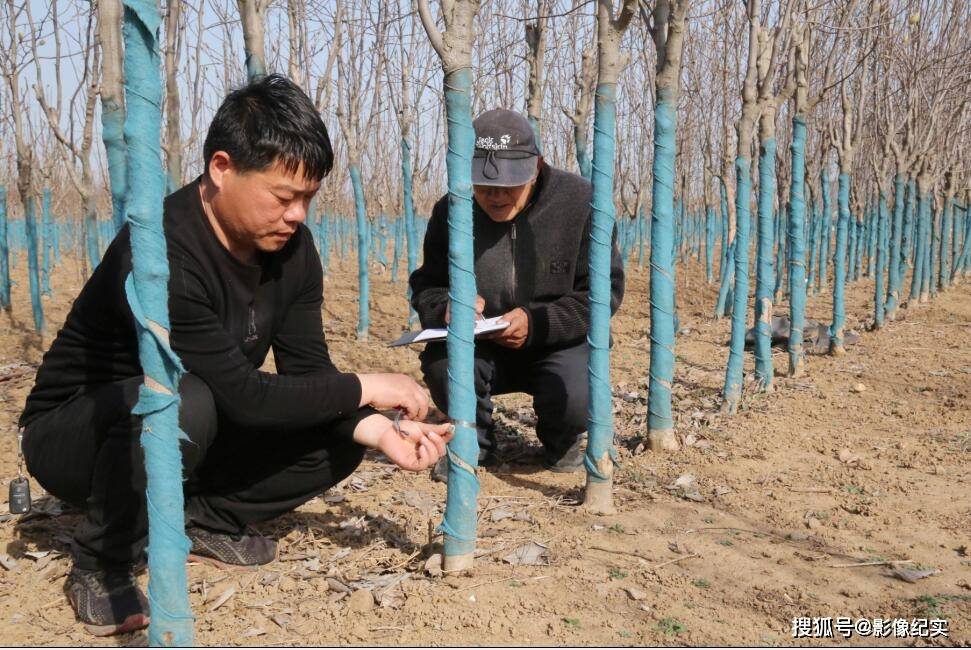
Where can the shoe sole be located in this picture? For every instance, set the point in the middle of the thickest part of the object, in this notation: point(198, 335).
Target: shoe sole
point(211, 561)
point(131, 624)
point(563, 470)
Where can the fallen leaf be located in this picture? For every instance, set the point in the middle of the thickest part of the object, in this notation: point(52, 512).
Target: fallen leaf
point(529, 554)
point(281, 620)
point(912, 575)
point(336, 585)
point(253, 631)
point(341, 554)
point(223, 597)
point(36, 555)
point(501, 513)
point(7, 562)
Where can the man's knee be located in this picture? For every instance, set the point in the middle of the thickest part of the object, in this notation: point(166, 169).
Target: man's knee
point(197, 418)
point(434, 368)
point(563, 394)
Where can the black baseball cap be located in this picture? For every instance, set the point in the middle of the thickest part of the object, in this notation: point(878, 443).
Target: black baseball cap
point(505, 149)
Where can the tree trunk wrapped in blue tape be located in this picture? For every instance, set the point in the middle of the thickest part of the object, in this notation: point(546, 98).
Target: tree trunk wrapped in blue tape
point(47, 236)
point(838, 326)
point(726, 272)
point(363, 282)
point(660, 423)
point(879, 297)
point(4, 253)
point(797, 248)
point(33, 264)
point(463, 452)
point(895, 273)
point(147, 291)
point(764, 279)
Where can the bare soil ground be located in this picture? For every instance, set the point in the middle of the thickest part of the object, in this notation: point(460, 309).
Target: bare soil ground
point(820, 473)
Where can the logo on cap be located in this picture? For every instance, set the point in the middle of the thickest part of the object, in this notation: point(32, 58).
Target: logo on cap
point(488, 142)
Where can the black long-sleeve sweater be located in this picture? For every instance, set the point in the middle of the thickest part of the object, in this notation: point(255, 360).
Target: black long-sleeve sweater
point(538, 261)
point(225, 316)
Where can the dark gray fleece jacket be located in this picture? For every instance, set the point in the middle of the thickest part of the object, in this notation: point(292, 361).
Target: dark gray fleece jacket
point(538, 261)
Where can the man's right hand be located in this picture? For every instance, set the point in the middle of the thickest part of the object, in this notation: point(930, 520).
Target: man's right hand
point(479, 308)
point(393, 391)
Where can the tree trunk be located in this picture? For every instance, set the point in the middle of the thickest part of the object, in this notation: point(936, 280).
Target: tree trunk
point(147, 290)
point(251, 15)
point(113, 105)
point(173, 105)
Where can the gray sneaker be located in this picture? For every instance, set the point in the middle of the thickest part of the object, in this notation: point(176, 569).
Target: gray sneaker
point(240, 549)
point(107, 601)
point(569, 461)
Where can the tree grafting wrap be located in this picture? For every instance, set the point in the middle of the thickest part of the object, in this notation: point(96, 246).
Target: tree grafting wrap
point(797, 245)
point(47, 237)
point(825, 228)
point(732, 391)
point(147, 291)
point(463, 452)
point(33, 264)
point(879, 304)
point(709, 242)
point(839, 263)
point(726, 272)
point(4, 253)
point(765, 273)
point(944, 277)
point(662, 267)
point(363, 283)
point(917, 278)
point(896, 272)
point(600, 422)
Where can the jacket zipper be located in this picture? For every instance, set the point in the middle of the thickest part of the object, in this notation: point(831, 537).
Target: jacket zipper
point(513, 236)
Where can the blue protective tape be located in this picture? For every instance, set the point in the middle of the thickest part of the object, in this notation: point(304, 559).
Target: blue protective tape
point(363, 282)
point(147, 291)
point(659, 418)
point(797, 243)
point(463, 487)
point(47, 236)
point(765, 277)
point(732, 391)
point(33, 270)
point(600, 421)
point(4, 253)
point(839, 264)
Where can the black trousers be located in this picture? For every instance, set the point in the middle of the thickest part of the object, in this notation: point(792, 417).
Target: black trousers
point(556, 379)
point(87, 452)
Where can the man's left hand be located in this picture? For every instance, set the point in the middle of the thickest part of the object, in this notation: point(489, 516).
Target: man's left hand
point(515, 335)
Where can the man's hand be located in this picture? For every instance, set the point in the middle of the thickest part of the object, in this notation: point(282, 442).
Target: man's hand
point(417, 447)
point(392, 391)
point(424, 445)
point(515, 335)
point(479, 308)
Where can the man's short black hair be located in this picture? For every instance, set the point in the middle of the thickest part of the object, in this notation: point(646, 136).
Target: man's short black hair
point(270, 120)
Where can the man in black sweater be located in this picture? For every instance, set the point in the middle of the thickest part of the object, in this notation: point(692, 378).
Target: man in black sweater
point(245, 278)
point(531, 228)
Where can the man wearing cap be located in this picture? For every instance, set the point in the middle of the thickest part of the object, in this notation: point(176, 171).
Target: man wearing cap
point(531, 228)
